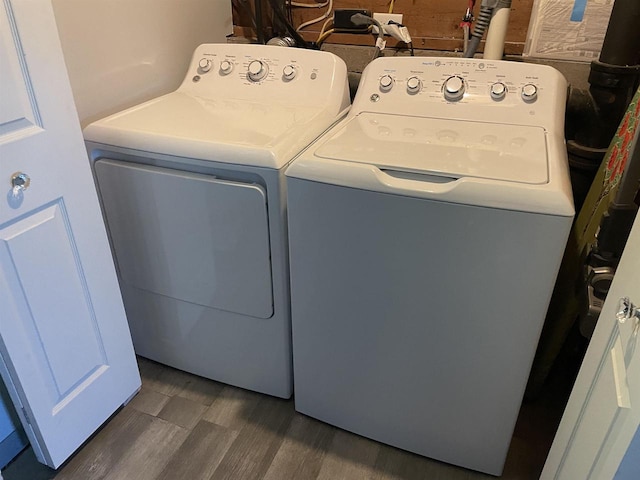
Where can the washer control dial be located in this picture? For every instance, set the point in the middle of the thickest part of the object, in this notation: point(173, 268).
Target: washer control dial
point(529, 92)
point(205, 65)
point(414, 85)
point(289, 72)
point(498, 91)
point(257, 70)
point(226, 67)
point(453, 88)
point(386, 83)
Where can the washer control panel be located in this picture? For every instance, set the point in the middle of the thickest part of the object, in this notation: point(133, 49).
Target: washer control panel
point(259, 72)
point(477, 89)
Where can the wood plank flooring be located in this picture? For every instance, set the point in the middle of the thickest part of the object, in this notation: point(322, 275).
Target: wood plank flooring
point(181, 426)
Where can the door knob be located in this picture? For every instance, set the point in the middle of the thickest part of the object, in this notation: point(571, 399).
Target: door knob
point(20, 181)
point(627, 311)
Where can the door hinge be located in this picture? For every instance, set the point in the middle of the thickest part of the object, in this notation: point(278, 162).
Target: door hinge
point(26, 415)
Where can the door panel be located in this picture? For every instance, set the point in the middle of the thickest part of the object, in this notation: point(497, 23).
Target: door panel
point(65, 349)
point(51, 297)
point(17, 111)
point(603, 411)
point(604, 407)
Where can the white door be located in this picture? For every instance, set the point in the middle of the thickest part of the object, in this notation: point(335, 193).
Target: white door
point(66, 352)
point(603, 411)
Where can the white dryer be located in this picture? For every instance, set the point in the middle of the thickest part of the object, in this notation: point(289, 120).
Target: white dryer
point(193, 192)
point(426, 231)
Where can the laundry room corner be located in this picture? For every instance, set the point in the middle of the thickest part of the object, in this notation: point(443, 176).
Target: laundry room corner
point(122, 52)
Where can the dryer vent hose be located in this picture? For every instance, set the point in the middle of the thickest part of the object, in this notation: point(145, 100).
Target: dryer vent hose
point(497, 33)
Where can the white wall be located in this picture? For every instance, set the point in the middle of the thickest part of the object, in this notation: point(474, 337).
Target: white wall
point(121, 52)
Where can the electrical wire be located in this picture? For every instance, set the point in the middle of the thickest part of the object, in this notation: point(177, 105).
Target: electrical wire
point(324, 36)
point(309, 5)
point(465, 37)
point(259, 26)
point(391, 6)
point(400, 32)
point(318, 19)
point(360, 19)
point(289, 8)
point(325, 25)
point(467, 19)
point(278, 28)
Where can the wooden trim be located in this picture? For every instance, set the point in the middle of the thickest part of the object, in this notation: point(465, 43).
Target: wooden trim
point(433, 25)
point(420, 43)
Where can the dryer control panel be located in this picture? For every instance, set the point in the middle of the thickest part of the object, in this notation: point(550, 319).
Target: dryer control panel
point(463, 88)
point(266, 74)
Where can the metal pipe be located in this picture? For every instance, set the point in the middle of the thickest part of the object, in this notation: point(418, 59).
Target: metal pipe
point(277, 10)
point(594, 114)
point(494, 45)
point(622, 41)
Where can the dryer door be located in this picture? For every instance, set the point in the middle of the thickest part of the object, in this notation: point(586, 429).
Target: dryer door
point(189, 236)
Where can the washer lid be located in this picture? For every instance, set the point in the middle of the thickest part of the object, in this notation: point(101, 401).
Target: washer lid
point(451, 148)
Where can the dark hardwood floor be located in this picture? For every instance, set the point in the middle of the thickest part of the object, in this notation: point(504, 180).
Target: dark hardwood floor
point(181, 426)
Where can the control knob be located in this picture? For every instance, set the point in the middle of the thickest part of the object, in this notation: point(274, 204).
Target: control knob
point(226, 67)
point(289, 72)
point(414, 85)
point(205, 65)
point(529, 93)
point(453, 88)
point(498, 91)
point(257, 70)
point(386, 83)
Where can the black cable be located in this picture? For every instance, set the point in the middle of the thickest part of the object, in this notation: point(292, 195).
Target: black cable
point(289, 11)
point(292, 31)
point(410, 44)
point(360, 19)
point(259, 25)
point(278, 26)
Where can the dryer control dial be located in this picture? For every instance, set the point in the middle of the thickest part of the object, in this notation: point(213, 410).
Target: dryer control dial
point(414, 85)
point(257, 70)
point(498, 91)
point(205, 65)
point(226, 67)
point(386, 83)
point(289, 72)
point(529, 93)
point(453, 88)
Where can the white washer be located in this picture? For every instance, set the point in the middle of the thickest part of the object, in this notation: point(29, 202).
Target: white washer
point(426, 231)
point(193, 192)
